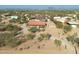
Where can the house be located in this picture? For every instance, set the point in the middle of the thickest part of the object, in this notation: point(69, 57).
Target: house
point(67, 20)
point(61, 19)
point(36, 23)
point(73, 24)
point(56, 18)
point(64, 19)
point(14, 17)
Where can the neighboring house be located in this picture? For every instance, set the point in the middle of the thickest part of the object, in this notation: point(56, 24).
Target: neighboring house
point(66, 21)
point(73, 24)
point(14, 17)
point(56, 18)
point(61, 19)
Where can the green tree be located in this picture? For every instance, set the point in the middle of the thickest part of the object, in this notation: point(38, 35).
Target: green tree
point(34, 29)
point(58, 24)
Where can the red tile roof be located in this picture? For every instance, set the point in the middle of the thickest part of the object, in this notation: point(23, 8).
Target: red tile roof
point(36, 23)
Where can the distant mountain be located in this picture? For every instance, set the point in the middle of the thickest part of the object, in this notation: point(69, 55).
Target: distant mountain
point(39, 7)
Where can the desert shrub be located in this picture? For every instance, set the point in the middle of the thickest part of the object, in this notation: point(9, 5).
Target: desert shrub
point(48, 36)
point(39, 47)
point(11, 27)
point(43, 44)
point(73, 38)
point(2, 27)
point(40, 38)
point(44, 37)
point(58, 42)
point(77, 41)
point(8, 39)
point(30, 36)
point(28, 47)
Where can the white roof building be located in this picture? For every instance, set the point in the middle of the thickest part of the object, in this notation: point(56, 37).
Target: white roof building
point(14, 17)
point(73, 22)
point(61, 19)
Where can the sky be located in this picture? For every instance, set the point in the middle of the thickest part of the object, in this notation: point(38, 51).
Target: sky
point(39, 7)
